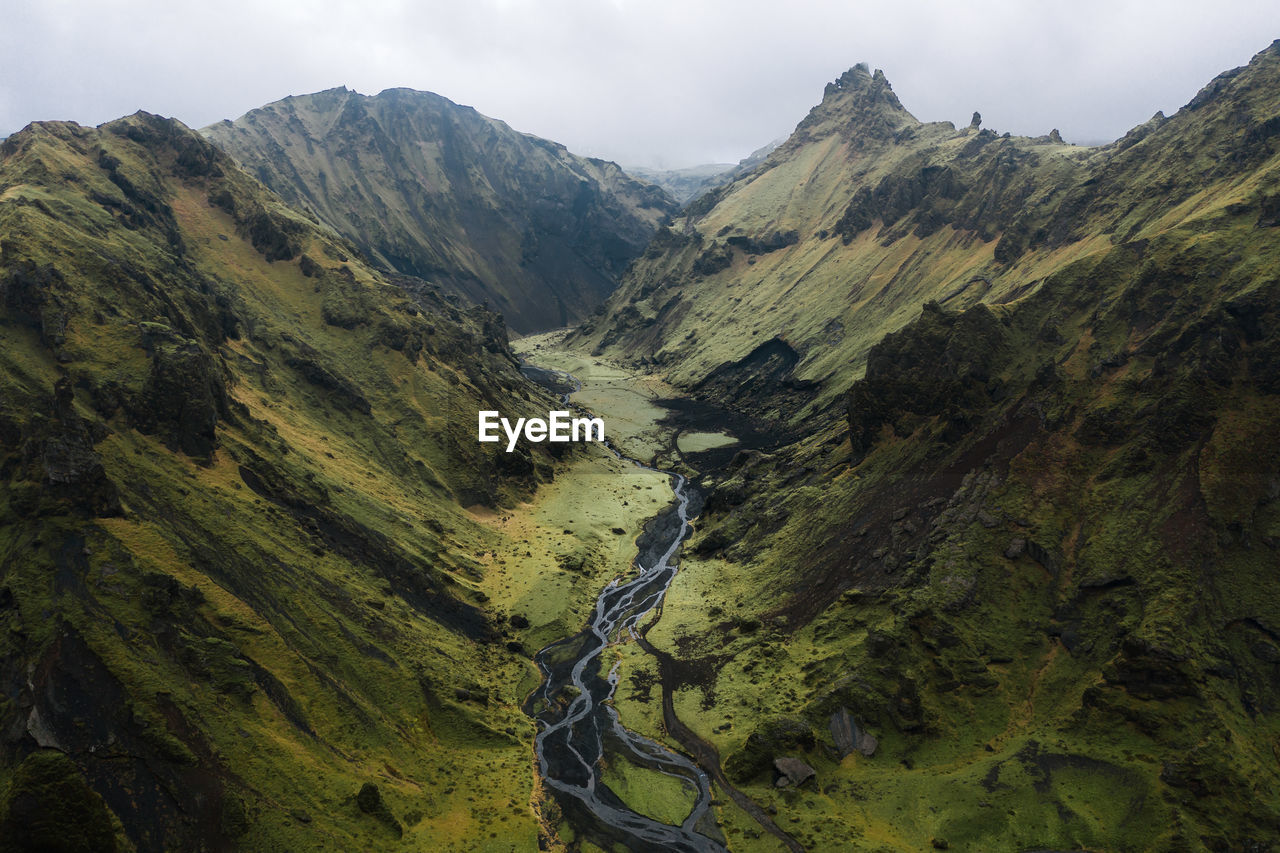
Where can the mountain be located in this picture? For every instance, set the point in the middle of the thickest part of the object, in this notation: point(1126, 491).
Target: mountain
point(1011, 499)
point(684, 185)
point(437, 191)
point(761, 254)
point(238, 578)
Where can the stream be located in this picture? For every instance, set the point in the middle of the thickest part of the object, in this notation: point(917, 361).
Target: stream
point(577, 722)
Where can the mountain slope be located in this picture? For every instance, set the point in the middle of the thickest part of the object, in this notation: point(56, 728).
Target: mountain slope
point(237, 579)
point(1019, 518)
point(788, 252)
point(438, 191)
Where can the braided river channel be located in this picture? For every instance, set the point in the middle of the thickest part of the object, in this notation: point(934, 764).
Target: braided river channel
point(579, 728)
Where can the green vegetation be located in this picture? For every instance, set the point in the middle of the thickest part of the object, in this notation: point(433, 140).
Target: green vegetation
point(48, 806)
point(1027, 534)
point(242, 517)
point(692, 442)
point(994, 554)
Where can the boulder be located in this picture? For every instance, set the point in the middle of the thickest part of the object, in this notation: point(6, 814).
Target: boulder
point(793, 772)
point(848, 737)
point(843, 731)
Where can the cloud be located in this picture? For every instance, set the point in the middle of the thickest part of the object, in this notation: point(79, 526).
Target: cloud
point(656, 82)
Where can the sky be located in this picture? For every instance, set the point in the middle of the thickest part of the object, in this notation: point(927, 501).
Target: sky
point(657, 83)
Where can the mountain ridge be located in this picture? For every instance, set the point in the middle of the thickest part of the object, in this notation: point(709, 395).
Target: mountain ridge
point(964, 203)
point(438, 191)
point(993, 562)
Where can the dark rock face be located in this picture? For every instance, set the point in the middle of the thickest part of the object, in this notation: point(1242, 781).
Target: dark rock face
point(59, 454)
point(762, 381)
point(183, 397)
point(437, 191)
point(166, 795)
point(1148, 671)
point(770, 242)
point(30, 293)
point(941, 366)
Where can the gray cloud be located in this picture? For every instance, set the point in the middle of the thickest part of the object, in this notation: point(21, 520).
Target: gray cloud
point(658, 82)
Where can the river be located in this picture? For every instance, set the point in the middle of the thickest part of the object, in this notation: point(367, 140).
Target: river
point(578, 725)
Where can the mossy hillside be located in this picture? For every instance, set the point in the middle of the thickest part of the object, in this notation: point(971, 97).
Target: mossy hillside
point(1042, 571)
point(889, 213)
point(237, 562)
point(437, 191)
point(1108, 647)
point(827, 298)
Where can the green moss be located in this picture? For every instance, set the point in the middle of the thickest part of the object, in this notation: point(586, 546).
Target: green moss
point(285, 603)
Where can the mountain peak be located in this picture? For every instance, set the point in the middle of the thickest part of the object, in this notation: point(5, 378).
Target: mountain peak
point(860, 105)
point(867, 87)
point(415, 179)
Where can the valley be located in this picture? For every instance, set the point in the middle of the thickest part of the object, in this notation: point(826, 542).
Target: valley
point(726, 671)
point(965, 446)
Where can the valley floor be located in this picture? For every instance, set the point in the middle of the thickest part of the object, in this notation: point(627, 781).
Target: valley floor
point(1004, 770)
point(637, 423)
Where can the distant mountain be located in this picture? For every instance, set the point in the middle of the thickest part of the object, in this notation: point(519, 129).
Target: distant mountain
point(1012, 498)
point(234, 551)
point(438, 191)
point(684, 185)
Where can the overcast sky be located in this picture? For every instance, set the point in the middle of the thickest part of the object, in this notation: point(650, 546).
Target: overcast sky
point(647, 82)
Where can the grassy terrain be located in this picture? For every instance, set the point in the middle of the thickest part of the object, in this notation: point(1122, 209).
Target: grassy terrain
point(560, 549)
point(252, 559)
point(625, 398)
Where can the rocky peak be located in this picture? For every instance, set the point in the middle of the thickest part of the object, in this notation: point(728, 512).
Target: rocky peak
point(860, 105)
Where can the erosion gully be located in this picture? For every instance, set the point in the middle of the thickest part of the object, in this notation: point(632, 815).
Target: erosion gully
point(578, 725)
